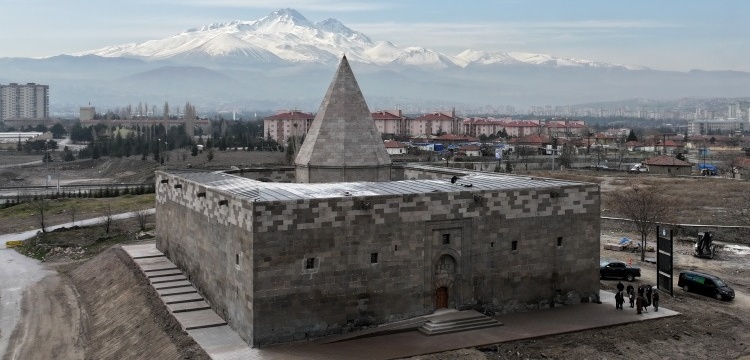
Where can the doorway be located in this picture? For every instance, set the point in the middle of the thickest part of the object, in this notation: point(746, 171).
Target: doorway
point(441, 298)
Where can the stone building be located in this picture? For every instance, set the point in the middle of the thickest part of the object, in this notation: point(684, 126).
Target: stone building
point(289, 261)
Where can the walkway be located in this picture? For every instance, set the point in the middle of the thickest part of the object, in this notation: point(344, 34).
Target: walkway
point(220, 342)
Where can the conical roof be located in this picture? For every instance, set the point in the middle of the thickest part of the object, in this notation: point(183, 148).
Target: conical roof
point(343, 133)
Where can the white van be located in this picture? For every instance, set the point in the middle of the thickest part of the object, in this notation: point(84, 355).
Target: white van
point(638, 168)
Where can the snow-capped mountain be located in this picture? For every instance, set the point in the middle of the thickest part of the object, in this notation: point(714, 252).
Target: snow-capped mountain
point(286, 35)
point(285, 60)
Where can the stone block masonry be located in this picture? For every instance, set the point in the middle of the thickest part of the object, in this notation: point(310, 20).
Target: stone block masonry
point(288, 262)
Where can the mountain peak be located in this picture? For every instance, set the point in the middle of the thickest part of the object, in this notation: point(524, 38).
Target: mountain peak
point(289, 16)
point(335, 26)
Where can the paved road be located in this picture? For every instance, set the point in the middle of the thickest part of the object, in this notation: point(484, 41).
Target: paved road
point(18, 272)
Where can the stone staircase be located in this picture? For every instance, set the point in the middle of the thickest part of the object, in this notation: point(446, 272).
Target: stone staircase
point(449, 321)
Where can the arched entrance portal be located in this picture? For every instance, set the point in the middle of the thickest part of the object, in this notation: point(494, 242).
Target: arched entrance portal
point(445, 271)
point(441, 298)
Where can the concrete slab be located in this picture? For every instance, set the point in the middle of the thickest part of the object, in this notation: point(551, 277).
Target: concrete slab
point(142, 251)
point(527, 325)
point(223, 343)
point(198, 319)
point(164, 265)
point(168, 278)
point(176, 299)
point(188, 306)
point(171, 284)
point(151, 260)
point(177, 290)
point(158, 273)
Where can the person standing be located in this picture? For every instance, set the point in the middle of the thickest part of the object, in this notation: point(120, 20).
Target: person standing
point(619, 300)
point(620, 286)
point(631, 295)
point(655, 299)
point(639, 304)
point(649, 291)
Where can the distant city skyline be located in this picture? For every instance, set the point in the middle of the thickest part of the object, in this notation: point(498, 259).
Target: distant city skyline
point(663, 35)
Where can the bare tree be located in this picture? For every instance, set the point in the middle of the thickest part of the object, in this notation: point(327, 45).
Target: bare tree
point(645, 206)
point(40, 209)
point(141, 216)
point(108, 218)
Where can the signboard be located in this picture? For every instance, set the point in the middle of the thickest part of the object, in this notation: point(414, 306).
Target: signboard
point(664, 260)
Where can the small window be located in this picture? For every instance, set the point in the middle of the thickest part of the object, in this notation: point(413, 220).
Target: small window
point(446, 239)
point(492, 244)
point(514, 245)
point(559, 241)
point(237, 259)
point(373, 258)
point(395, 247)
point(310, 263)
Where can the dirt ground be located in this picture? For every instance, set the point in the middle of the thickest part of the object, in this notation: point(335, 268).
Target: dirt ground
point(706, 328)
point(121, 170)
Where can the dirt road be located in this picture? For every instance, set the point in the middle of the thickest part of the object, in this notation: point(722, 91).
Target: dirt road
point(17, 272)
point(51, 326)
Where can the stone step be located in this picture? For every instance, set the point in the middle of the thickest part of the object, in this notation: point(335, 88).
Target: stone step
point(168, 278)
point(171, 284)
point(465, 322)
point(453, 329)
point(457, 321)
point(177, 291)
point(181, 298)
point(160, 273)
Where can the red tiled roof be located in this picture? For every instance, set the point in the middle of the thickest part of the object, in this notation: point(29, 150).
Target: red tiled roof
point(742, 162)
point(531, 139)
point(454, 137)
point(666, 160)
point(434, 116)
point(469, 148)
point(393, 144)
point(385, 115)
point(291, 115)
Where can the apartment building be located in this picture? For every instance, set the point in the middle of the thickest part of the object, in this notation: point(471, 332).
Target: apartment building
point(24, 101)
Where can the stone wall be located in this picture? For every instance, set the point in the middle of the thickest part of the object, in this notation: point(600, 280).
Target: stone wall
point(344, 290)
point(313, 267)
point(212, 243)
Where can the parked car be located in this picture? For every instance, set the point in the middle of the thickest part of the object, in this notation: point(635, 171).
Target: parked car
point(638, 168)
point(618, 269)
point(705, 284)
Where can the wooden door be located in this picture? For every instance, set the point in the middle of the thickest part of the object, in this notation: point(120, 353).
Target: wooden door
point(441, 298)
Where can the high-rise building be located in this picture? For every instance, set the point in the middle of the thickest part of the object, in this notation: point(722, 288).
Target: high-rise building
point(21, 102)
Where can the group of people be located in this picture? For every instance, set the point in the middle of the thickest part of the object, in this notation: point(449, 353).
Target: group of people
point(641, 299)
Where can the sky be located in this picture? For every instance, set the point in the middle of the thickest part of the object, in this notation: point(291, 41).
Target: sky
point(677, 35)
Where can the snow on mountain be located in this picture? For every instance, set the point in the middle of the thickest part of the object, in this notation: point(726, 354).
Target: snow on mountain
point(285, 35)
point(547, 60)
point(425, 58)
point(485, 58)
point(384, 52)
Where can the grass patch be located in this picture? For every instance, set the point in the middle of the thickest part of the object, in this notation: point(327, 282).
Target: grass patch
point(80, 243)
point(24, 216)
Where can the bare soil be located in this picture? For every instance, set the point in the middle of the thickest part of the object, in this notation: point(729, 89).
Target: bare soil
point(123, 170)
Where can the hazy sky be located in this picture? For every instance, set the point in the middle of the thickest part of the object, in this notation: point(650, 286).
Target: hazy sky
point(664, 34)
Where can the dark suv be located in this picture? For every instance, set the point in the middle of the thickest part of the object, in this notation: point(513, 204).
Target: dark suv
point(705, 284)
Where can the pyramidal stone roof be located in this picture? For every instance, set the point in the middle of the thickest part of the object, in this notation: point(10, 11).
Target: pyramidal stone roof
point(343, 133)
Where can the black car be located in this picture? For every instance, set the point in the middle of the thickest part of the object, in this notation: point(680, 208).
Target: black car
point(618, 269)
point(705, 284)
